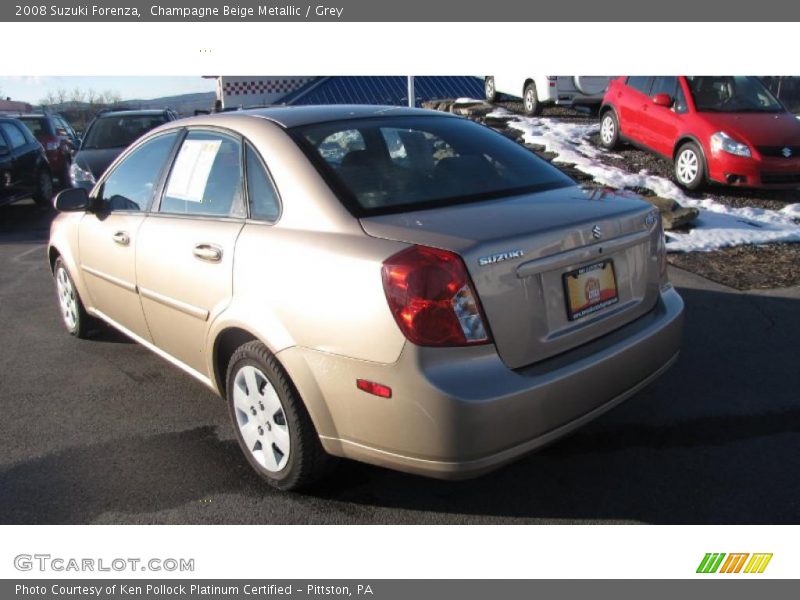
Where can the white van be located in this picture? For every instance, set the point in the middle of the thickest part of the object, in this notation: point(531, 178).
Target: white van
point(538, 91)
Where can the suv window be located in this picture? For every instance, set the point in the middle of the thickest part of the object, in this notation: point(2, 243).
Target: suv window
point(120, 131)
point(132, 183)
point(664, 85)
point(38, 126)
point(641, 84)
point(260, 190)
point(14, 134)
point(206, 177)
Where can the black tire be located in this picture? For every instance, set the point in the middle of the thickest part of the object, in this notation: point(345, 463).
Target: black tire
point(307, 462)
point(43, 196)
point(609, 130)
point(489, 91)
point(81, 324)
point(530, 100)
point(693, 155)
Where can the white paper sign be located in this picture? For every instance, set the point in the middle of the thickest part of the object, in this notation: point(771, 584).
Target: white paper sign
point(192, 167)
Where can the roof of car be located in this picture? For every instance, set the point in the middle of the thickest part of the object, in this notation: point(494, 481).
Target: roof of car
point(293, 116)
point(132, 113)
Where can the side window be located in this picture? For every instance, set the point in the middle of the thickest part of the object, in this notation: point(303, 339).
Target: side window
point(260, 190)
point(641, 84)
point(132, 183)
point(680, 101)
point(14, 134)
point(664, 85)
point(206, 177)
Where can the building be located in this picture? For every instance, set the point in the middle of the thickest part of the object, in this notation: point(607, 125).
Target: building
point(9, 105)
point(250, 91)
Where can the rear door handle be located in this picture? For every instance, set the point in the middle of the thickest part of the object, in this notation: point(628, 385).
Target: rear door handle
point(122, 238)
point(208, 252)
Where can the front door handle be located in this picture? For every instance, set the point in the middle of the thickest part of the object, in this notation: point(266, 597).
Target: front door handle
point(208, 252)
point(122, 238)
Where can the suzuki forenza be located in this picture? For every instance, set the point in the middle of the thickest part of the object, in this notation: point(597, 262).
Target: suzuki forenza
point(396, 286)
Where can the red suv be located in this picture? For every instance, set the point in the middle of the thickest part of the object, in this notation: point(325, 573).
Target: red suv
point(59, 141)
point(724, 129)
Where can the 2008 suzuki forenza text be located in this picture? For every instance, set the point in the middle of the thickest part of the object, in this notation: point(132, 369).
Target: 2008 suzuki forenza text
point(396, 286)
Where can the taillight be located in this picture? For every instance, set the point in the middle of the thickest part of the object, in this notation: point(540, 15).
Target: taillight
point(432, 299)
point(51, 144)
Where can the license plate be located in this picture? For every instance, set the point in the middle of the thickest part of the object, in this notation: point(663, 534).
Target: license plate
point(590, 289)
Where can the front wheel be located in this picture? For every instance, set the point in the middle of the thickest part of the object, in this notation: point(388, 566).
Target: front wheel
point(690, 168)
point(73, 314)
point(271, 423)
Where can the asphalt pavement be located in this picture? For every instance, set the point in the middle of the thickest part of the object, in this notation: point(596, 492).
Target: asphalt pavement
point(103, 431)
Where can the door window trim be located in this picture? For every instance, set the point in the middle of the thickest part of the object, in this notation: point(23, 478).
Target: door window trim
point(270, 178)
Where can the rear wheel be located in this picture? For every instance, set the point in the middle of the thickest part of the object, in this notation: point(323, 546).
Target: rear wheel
point(271, 423)
point(489, 91)
point(43, 196)
point(609, 130)
point(530, 100)
point(73, 314)
point(690, 168)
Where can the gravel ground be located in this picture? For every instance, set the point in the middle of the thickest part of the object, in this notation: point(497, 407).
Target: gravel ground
point(741, 267)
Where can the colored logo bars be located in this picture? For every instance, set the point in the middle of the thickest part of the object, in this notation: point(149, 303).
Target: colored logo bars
point(718, 563)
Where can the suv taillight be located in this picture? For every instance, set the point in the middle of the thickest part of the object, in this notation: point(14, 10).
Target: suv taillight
point(432, 299)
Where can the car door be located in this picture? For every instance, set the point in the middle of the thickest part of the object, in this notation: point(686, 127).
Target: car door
point(6, 168)
point(661, 124)
point(630, 100)
point(107, 236)
point(20, 177)
point(184, 260)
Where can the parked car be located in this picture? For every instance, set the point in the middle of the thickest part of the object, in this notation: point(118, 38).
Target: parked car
point(57, 137)
point(24, 171)
point(109, 133)
point(724, 129)
point(542, 90)
point(391, 285)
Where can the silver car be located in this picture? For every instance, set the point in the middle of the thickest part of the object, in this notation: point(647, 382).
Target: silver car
point(401, 287)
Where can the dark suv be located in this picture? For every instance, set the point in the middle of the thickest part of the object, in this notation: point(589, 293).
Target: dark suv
point(59, 141)
point(109, 133)
point(24, 171)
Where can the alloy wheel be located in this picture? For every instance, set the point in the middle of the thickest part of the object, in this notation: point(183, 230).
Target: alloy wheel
point(607, 130)
point(688, 166)
point(67, 299)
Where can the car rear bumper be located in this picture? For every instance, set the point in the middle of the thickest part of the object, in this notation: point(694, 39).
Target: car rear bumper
point(456, 413)
point(760, 172)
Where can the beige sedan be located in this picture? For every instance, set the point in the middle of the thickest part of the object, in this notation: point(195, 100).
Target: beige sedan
point(395, 286)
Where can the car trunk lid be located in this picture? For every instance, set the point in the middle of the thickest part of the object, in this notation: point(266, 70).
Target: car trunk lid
point(518, 251)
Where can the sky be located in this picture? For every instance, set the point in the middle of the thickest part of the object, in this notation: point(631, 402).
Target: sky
point(33, 89)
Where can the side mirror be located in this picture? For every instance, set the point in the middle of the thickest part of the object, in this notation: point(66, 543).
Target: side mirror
point(72, 200)
point(662, 100)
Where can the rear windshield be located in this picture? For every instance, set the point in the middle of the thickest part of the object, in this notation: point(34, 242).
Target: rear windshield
point(38, 126)
point(395, 164)
point(732, 94)
point(120, 131)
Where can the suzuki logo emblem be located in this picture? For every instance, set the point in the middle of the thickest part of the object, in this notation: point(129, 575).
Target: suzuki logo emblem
point(596, 233)
point(787, 152)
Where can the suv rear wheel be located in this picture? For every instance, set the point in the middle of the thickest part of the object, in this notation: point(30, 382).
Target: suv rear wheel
point(690, 167)
point(530, 100)
point(272, 425)
point(609, 130)
point(43, 195)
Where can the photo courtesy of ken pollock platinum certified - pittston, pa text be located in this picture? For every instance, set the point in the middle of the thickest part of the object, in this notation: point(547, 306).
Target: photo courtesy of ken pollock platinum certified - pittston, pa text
point(193, 589)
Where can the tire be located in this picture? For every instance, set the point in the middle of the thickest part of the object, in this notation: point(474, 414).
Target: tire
point(43, 196)
point(74, 316)
point(530, 100)
point(489, 91)
point(272, 425)
point(690, 166)
point(609, 130)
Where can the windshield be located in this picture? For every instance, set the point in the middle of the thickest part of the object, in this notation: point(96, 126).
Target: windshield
point(731, 94)
point(391, 164)
point(120, 131)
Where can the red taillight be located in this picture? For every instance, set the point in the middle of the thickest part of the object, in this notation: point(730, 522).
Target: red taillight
point(377, 389)
point(432, 299)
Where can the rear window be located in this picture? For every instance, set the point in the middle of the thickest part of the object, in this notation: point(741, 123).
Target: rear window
point(395, 164)
point(120, 131)
point(38, 127)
